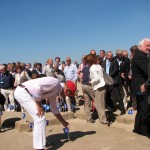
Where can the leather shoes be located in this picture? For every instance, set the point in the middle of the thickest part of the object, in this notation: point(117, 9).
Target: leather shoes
point(113, 109)
point(90, 121)
point(105, 122)
point(123, 112)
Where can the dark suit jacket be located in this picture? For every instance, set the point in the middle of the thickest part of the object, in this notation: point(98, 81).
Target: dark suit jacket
point(148, 81)
point(34, 71)
point(6, 80)
point(125, 67)
point(113, 71)
point(139, 71)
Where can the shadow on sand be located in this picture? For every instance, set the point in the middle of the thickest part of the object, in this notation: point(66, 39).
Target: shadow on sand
point(60, 139)
point(9, 124)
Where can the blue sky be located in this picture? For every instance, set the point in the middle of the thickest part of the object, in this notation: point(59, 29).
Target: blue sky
point(35, 30)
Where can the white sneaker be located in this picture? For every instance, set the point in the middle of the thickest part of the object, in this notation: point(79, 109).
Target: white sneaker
point(23, 110)
point(69, 111)
point(8, 109)
point(5, 107)
point(12, 110)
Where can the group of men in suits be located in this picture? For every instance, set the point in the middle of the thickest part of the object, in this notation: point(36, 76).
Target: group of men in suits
point(112, 67)
point(119, 68)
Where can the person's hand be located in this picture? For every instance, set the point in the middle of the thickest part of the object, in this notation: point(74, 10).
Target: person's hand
point(143, 89)
point(130, 77)
point(90, 83)
point(123, 75)
point(39, 109)
point(13, 90)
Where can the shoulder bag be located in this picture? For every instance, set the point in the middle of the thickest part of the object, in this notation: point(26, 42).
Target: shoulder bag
point(108, 81)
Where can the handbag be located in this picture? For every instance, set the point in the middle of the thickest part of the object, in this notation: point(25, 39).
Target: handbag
point(108, 81)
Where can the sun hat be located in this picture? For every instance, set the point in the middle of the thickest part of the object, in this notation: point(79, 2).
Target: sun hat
point(72, 87)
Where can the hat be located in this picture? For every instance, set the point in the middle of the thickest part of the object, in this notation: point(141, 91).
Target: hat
point(71, 86)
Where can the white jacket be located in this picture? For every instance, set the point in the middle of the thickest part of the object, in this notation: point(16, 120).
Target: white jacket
point(96, 75)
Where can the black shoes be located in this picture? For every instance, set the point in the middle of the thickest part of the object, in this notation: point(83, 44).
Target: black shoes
point(90, 121)
point(123, 112)
point(106, 122)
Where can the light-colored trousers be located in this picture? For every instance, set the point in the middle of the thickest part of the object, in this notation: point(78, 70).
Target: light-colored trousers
point(68, 102)
point(8, 93)
point(100, 95)
point(39, 131)
point(124, 93)
point(88, 97)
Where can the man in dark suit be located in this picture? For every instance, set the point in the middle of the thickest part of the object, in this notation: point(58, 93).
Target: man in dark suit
point(146, 86)
point(6, 86)
point(140, 76)
point(37, 71)
point(112, 68)
point(102, 55)
point(148, 81)
point(124, 72)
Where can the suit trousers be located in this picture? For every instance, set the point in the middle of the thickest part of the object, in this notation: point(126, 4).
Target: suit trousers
point(39, 131)
point(100, 96)
point(142, 119)
point(88, 94)
point(117, 95)
point(109, 101)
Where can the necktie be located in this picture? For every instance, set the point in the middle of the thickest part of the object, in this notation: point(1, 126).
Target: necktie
point(107, 67)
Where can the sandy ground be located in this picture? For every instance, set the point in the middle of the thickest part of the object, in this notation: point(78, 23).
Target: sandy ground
point(83, 136)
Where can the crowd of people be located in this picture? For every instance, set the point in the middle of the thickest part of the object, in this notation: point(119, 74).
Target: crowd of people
point(130, 88)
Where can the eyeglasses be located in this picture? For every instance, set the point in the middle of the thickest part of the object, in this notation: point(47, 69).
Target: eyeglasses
point(68, 60)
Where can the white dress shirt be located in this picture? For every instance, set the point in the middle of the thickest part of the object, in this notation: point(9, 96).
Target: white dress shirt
point(96, 75)
point(107, 66)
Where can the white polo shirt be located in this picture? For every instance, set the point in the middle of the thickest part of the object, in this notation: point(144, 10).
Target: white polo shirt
point(45, 87)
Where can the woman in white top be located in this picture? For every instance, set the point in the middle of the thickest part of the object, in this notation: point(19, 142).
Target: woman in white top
point(98, 83)
point(18, 75)
point(18, 78)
